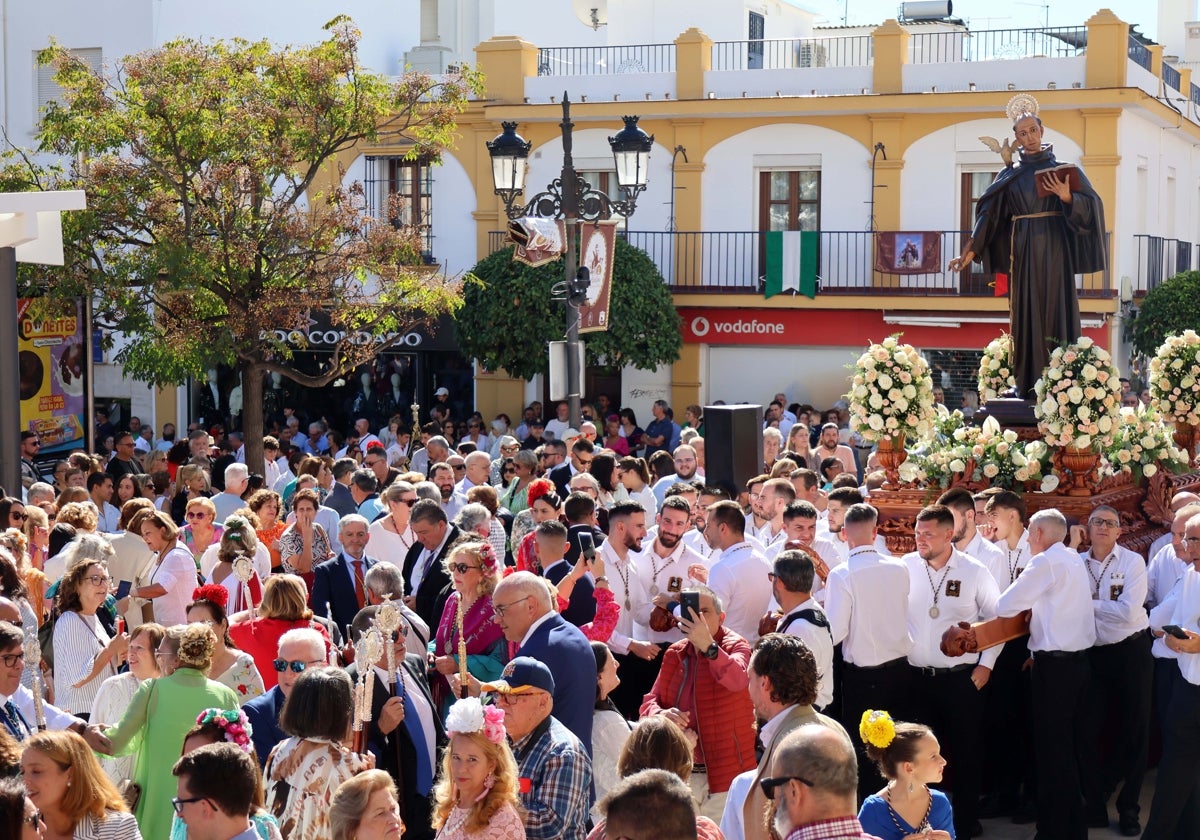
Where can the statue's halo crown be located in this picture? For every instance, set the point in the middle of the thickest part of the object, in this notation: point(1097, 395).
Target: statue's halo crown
point(1021, 105)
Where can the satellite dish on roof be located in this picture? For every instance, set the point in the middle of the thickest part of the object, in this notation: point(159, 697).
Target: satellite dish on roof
point(593, 13)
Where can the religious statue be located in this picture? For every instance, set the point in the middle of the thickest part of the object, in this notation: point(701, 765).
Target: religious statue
point(1040, 223)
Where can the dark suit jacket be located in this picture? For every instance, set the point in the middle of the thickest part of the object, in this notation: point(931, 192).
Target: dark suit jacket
point(331, 585)
point(563, 648)
point(339, 499)
point(560, 475)
point(263, 714)
point(395, 753)
point(435, 587)
point(581, 606)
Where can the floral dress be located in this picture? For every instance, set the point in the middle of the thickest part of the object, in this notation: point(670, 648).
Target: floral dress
point(300, 779)
point(243, 677)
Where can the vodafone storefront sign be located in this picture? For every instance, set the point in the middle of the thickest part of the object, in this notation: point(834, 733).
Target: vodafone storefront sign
point(702, 326)
point(734, 326)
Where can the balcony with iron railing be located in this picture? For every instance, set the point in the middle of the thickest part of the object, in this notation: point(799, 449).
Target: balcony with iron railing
point(733, 262)
point(1160, 258)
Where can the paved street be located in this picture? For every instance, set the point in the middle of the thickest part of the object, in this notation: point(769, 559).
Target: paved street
point(1005, 830)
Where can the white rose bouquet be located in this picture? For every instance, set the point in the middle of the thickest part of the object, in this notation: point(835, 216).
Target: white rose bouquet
point(1143, 443)
point(1079, 397)
point(1175, 378)
point(891, 393)
point(995, 369)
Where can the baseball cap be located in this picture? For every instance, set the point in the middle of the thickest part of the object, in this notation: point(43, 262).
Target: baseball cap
point(522, 674)
point(441, 392)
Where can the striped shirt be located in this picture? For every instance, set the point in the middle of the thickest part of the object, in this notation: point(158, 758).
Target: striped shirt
point(78, 640)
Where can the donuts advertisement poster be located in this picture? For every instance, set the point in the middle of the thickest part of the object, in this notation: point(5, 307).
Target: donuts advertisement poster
point(52, 360)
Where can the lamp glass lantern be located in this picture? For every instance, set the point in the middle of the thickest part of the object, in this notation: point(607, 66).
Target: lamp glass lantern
point(510, 153)
point(631, 153)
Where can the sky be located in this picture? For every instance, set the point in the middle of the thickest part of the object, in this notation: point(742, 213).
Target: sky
point(987, 14)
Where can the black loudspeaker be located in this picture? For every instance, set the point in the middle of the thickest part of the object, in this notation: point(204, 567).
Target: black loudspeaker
point(733, 445)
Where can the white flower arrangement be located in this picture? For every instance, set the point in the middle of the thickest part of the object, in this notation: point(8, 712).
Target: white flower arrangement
point(891, 393)
point(1175, 378)
point(983, 454)
point(995, 369)
point(1143, 443)
point(1078, 397)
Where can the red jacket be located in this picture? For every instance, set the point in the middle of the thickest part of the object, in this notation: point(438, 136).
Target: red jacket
point(717, 698)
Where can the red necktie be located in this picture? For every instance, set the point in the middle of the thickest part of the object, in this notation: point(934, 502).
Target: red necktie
point(360, 591)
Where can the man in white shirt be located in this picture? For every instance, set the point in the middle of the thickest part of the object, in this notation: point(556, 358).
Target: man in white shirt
point(1168, 564)
point(1178, 502)
point(739, 577)
point(947, 587)
point(800, 524)
point(626, 530)
point(774, 497)
point(866, 599)
point(1122, 672)
point(662, 572)
point(967, 536)
point(1009, 699)
point(561, 422)
point(237, 476)
point(1056, 587)
point(478, 466)
point(686, 465)
point(1170, 813)
point(801, 616)
point(840, 500)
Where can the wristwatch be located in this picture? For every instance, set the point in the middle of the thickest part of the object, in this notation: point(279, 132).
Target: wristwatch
point(711, 651)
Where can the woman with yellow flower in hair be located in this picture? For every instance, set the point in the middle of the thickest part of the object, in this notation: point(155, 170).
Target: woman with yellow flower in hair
point(910, 758)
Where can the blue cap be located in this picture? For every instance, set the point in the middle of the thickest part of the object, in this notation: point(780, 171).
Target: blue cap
point(523, 674)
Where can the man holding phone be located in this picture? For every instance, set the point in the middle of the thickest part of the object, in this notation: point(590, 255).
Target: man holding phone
point(704, 688)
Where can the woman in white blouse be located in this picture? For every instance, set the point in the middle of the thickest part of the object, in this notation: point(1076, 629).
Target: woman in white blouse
point(84, 654)
point(115, 692)
point(173, 576)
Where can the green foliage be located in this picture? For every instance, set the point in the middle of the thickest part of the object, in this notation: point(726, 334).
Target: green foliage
point(508, 317)
point(216, 213)
point(1166, 311)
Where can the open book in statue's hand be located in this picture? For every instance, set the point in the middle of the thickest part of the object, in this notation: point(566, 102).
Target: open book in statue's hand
point(1069, 171)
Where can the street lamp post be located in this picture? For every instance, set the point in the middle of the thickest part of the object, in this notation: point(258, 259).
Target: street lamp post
point(571, 199)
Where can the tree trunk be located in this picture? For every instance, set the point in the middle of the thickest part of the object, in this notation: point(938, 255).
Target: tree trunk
point(252, 415)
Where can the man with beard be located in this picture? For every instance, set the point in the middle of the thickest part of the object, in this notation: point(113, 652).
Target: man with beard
point(967, 537)
point(662, 573)
point(685, 470)
point(626, 529)
point(800, 525)
point(947, 587)
point(840, 501)
point(774, 497)
point(812, 782)
point(739, 578)
point(828, 447)
point(442, 474)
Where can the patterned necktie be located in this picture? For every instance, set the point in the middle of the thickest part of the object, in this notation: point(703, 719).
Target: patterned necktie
point(15, 722)
point(360, 591)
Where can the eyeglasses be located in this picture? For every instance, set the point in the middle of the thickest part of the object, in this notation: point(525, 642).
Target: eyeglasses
point(460, 467)
point(297, 665)
point(33, 819)
point(11, 659)
point(461, 568)
point(585, 462)
point(196, 514)
point(771, 576)
point(99, 580)
point(768, 785)
point(1105, 523)
point(409, 502)
point(20, 517)
point(502, 608)
point(178, 803)
point(34, 442)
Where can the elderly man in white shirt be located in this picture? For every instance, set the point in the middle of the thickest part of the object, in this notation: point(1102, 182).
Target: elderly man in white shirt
point(1122, 672)
point(1056, 587)
point(792, 578)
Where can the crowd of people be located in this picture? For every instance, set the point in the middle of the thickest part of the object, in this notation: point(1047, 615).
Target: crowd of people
point(593, 641)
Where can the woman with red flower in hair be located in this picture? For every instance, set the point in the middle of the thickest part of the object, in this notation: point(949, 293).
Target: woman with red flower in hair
point(544, 505)
point(230, 666)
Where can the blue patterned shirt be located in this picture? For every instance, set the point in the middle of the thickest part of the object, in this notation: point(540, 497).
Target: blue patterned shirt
point(559, 774)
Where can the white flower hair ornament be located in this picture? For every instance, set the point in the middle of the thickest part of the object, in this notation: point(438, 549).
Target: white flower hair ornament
point(470, 715)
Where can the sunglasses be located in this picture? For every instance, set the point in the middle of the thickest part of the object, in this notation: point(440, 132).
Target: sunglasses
point(20, 517)
point(768, 785)
point(296, 665)
point(461, 568)
point(196, 514)
point(409, 502)
point(34, 442)
point(460, 467)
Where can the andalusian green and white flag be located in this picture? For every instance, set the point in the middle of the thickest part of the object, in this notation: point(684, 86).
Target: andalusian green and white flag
point(792, 262)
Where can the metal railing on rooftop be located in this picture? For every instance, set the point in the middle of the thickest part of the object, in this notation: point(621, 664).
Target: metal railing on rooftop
point(996, 44)
point(606, 61)
point(733, 262)
point(1194, 95)
point(788, 53)
point(1171, 76)
point(1138, 53)
point(1160, 258)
